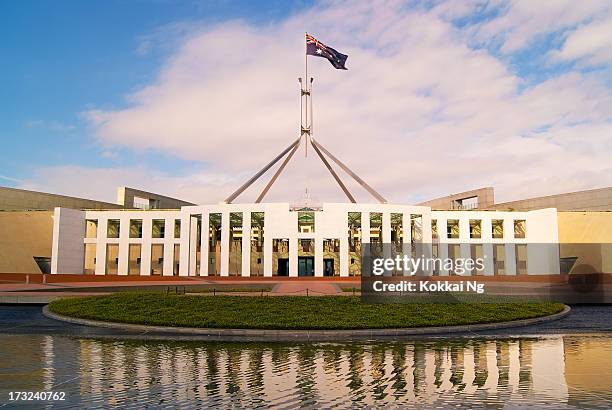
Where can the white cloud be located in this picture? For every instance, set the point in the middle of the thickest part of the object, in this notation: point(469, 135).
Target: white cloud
point(418, 114)
point(101, 183)
point(592, 41)
point(522, 21)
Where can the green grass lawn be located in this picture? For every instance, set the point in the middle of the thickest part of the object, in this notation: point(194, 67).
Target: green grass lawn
point(287, 312)
point(350, 289)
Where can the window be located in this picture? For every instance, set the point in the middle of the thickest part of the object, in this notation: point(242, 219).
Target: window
point(475, 228)
point(452, 228)
point(235, 244)
point(158, 228)
point(280, 257)
point(434, 229)
point(141, 203)
point(306, 222)
point(257, 242)
point(90, 259)
point(112, 259)
point(416, 222)
point(519, 228)
point(331, 257)
point(354, 231)
point(354, 242)
point(91, 228)
point(435, 251)
point(397, 230)
point(177, 228)
point(376, 227)
point(476, 251)
point(521, 259)
point(135, 228)
point(112, 228)
point(177, 257)
point(134, 253)
point(214, 244)
point(497, 228)
point(157, 259)
point(499, 259)
point(376, 234)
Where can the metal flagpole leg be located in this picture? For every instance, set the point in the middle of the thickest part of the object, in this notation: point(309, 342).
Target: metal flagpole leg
point(311, 127)
point(247, 184)
point(330, 169)
point(346, 169)
point(277, 173)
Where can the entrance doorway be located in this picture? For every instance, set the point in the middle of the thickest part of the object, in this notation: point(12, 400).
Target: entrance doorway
point(306, 266)
point(328, 267)
point(283, 266)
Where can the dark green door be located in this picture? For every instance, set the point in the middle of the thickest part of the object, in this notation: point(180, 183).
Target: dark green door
point(306, 266)
point(283, 267)
point(328, 267)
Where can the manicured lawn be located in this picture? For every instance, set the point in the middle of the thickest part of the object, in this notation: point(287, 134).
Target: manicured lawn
point(287, 312)
point(350, 289)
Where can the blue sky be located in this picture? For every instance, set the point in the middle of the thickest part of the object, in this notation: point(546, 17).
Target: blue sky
point(62, 57)
point(149, 94)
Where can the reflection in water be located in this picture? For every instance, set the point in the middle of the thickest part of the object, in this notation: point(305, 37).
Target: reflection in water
point(555, 371)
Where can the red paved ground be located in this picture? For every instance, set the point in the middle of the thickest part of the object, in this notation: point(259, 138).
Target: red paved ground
point(311, 288)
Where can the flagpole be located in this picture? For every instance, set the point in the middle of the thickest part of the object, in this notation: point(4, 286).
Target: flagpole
point(311, 111)
point(307, 91)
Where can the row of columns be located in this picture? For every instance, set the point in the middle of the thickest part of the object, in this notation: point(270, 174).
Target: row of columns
point(124, 241)
point(189, 249)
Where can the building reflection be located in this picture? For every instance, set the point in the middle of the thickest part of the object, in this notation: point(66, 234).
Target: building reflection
point(542, 370)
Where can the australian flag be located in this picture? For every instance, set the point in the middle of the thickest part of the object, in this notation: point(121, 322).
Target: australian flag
point(315, 48)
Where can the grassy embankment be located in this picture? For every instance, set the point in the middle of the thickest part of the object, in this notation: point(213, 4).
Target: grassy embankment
point(287, 312)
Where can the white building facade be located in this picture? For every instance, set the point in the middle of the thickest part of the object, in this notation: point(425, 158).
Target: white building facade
point(276, 239)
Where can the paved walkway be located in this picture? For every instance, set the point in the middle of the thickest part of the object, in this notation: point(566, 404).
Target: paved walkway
point(306, 288)
point(39, 293)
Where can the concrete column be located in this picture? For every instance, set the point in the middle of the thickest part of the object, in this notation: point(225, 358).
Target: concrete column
point(509, 248)
point(145, 249)
point(124, 234)
point(68, 250)
point(318, 254)
point(204, 244)
point(407, 239)
point(510, 251)
point(443, 244)
point(464, 237)
point(246, 244)
point(426, 250)
point(225, 238)
point(293, 257)
point(168, 246)
point(365, 227)
point(267, 256)
point(487, 247)
point(407, 234)
point(185, 234)
point(100, 247)
point(386, 235)
point(344, 255)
